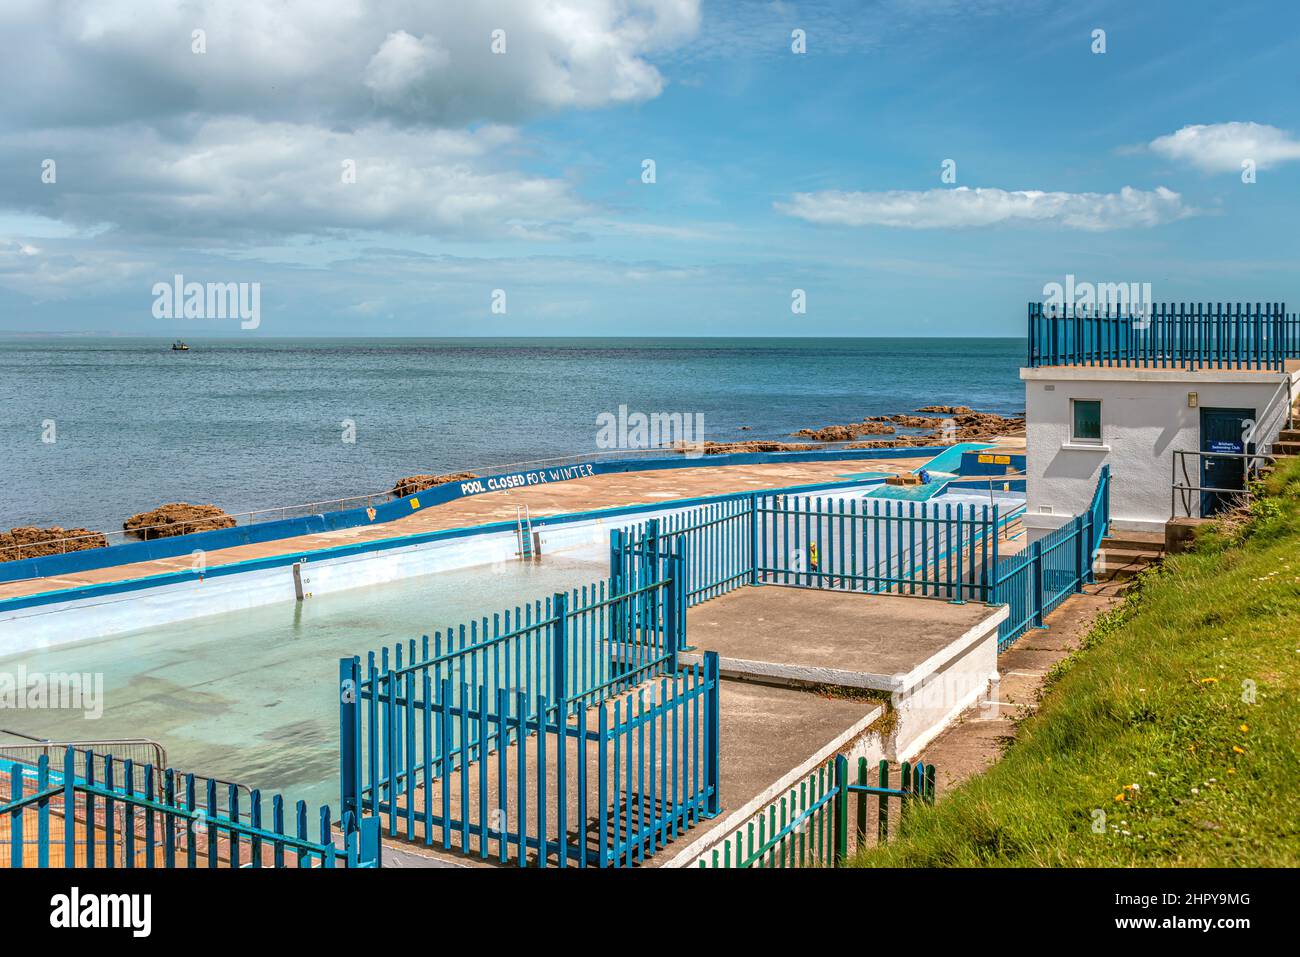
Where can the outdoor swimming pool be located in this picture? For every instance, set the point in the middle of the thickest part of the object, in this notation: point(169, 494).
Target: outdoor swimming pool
point(252, 696)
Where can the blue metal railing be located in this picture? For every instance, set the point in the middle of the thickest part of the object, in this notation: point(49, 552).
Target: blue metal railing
point(73, 819)
point(1034, 582)
point(1259, 336)
point(875, 545)
point(928, 549)
point(646, 770)
point(419, 724)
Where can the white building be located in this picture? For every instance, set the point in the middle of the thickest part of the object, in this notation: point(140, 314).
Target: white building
point(1131, 406)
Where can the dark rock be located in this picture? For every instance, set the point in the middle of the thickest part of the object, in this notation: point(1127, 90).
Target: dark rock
point(28, 541)
point(177, 518)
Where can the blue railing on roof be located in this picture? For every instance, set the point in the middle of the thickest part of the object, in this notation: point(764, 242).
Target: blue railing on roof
point(1257, 336)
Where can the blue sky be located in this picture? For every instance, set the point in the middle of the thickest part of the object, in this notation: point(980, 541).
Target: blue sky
point(522, 171)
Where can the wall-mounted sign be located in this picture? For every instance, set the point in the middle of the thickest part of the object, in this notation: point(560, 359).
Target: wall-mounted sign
point(1225, 446)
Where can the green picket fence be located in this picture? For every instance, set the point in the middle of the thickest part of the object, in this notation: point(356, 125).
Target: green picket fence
point(826, 817)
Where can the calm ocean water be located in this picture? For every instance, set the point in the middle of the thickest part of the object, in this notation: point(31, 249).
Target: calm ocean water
point(251, 424)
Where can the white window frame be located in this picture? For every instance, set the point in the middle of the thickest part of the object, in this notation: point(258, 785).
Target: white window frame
point(1099, 441)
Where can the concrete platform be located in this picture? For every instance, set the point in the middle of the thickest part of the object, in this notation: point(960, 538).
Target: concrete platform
point(933, 658)
point(820, 636)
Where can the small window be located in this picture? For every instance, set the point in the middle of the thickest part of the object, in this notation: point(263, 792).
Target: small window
point(1087, 421)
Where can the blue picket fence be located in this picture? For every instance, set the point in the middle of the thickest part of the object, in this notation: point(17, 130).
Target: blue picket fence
point(92, 815)
point(419, 727)
point(713, 540)
point(540, 784)
point(1034, 582)
point(1169, 335)
point(927, 549)
point(883, 547)
point(873, 545)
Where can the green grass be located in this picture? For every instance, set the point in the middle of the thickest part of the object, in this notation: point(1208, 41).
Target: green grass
point(1149, 725)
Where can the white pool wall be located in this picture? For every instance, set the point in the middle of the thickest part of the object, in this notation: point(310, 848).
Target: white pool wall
point(30, 627)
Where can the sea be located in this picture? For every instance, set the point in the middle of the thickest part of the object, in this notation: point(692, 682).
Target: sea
point(93, 430)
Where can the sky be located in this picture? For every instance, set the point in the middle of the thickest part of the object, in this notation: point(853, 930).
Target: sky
point(637, 167)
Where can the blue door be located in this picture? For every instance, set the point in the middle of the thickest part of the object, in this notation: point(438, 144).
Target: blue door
point(1223, 431)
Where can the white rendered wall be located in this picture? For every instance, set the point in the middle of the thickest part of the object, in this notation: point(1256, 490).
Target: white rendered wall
point(1144, 418)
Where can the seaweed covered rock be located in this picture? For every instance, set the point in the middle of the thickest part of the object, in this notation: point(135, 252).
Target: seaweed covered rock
point(752, 445)
point(177, 518)
point(29, 541)
point(418, 483)
point(847, 433)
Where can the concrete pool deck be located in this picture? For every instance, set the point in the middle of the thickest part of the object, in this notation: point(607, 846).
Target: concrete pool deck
point(816, 636)
point(655, 487)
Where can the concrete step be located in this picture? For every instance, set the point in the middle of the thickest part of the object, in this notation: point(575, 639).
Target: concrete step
point(1289, 435)
point(1119, 574)
point(1126, 554)
point(1121, 570)
point(1286, 448)
point(1135, 542)
point(1122, 556)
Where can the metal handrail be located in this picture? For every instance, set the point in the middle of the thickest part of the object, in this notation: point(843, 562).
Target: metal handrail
point(103, 749)
point(1250, 464)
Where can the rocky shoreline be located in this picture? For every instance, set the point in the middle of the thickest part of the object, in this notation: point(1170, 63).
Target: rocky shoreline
point(30, 541)
point(942, 425)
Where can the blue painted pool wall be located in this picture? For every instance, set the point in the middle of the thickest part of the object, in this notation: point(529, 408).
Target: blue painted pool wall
point(53, 565)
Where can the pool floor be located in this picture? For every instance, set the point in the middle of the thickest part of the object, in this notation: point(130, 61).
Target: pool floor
point(252, 696)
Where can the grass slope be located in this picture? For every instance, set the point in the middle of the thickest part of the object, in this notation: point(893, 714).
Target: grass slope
point(1179, 721)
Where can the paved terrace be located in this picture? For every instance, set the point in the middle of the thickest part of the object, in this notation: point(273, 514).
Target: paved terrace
point(578, 495)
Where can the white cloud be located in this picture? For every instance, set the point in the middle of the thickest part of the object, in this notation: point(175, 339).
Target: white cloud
point(960, 207)
point(1222, 147)
point(245, 140)
point(236, 179)
point(97, 62)
point(404, 62)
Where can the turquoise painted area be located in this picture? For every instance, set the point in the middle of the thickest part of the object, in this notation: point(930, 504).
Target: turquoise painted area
point(909, 493)
point(949, 460)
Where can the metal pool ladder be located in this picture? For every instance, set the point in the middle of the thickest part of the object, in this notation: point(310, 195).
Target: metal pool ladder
point(529, 543)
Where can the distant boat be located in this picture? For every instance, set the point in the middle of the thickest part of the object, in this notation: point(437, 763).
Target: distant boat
point(179, 346)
